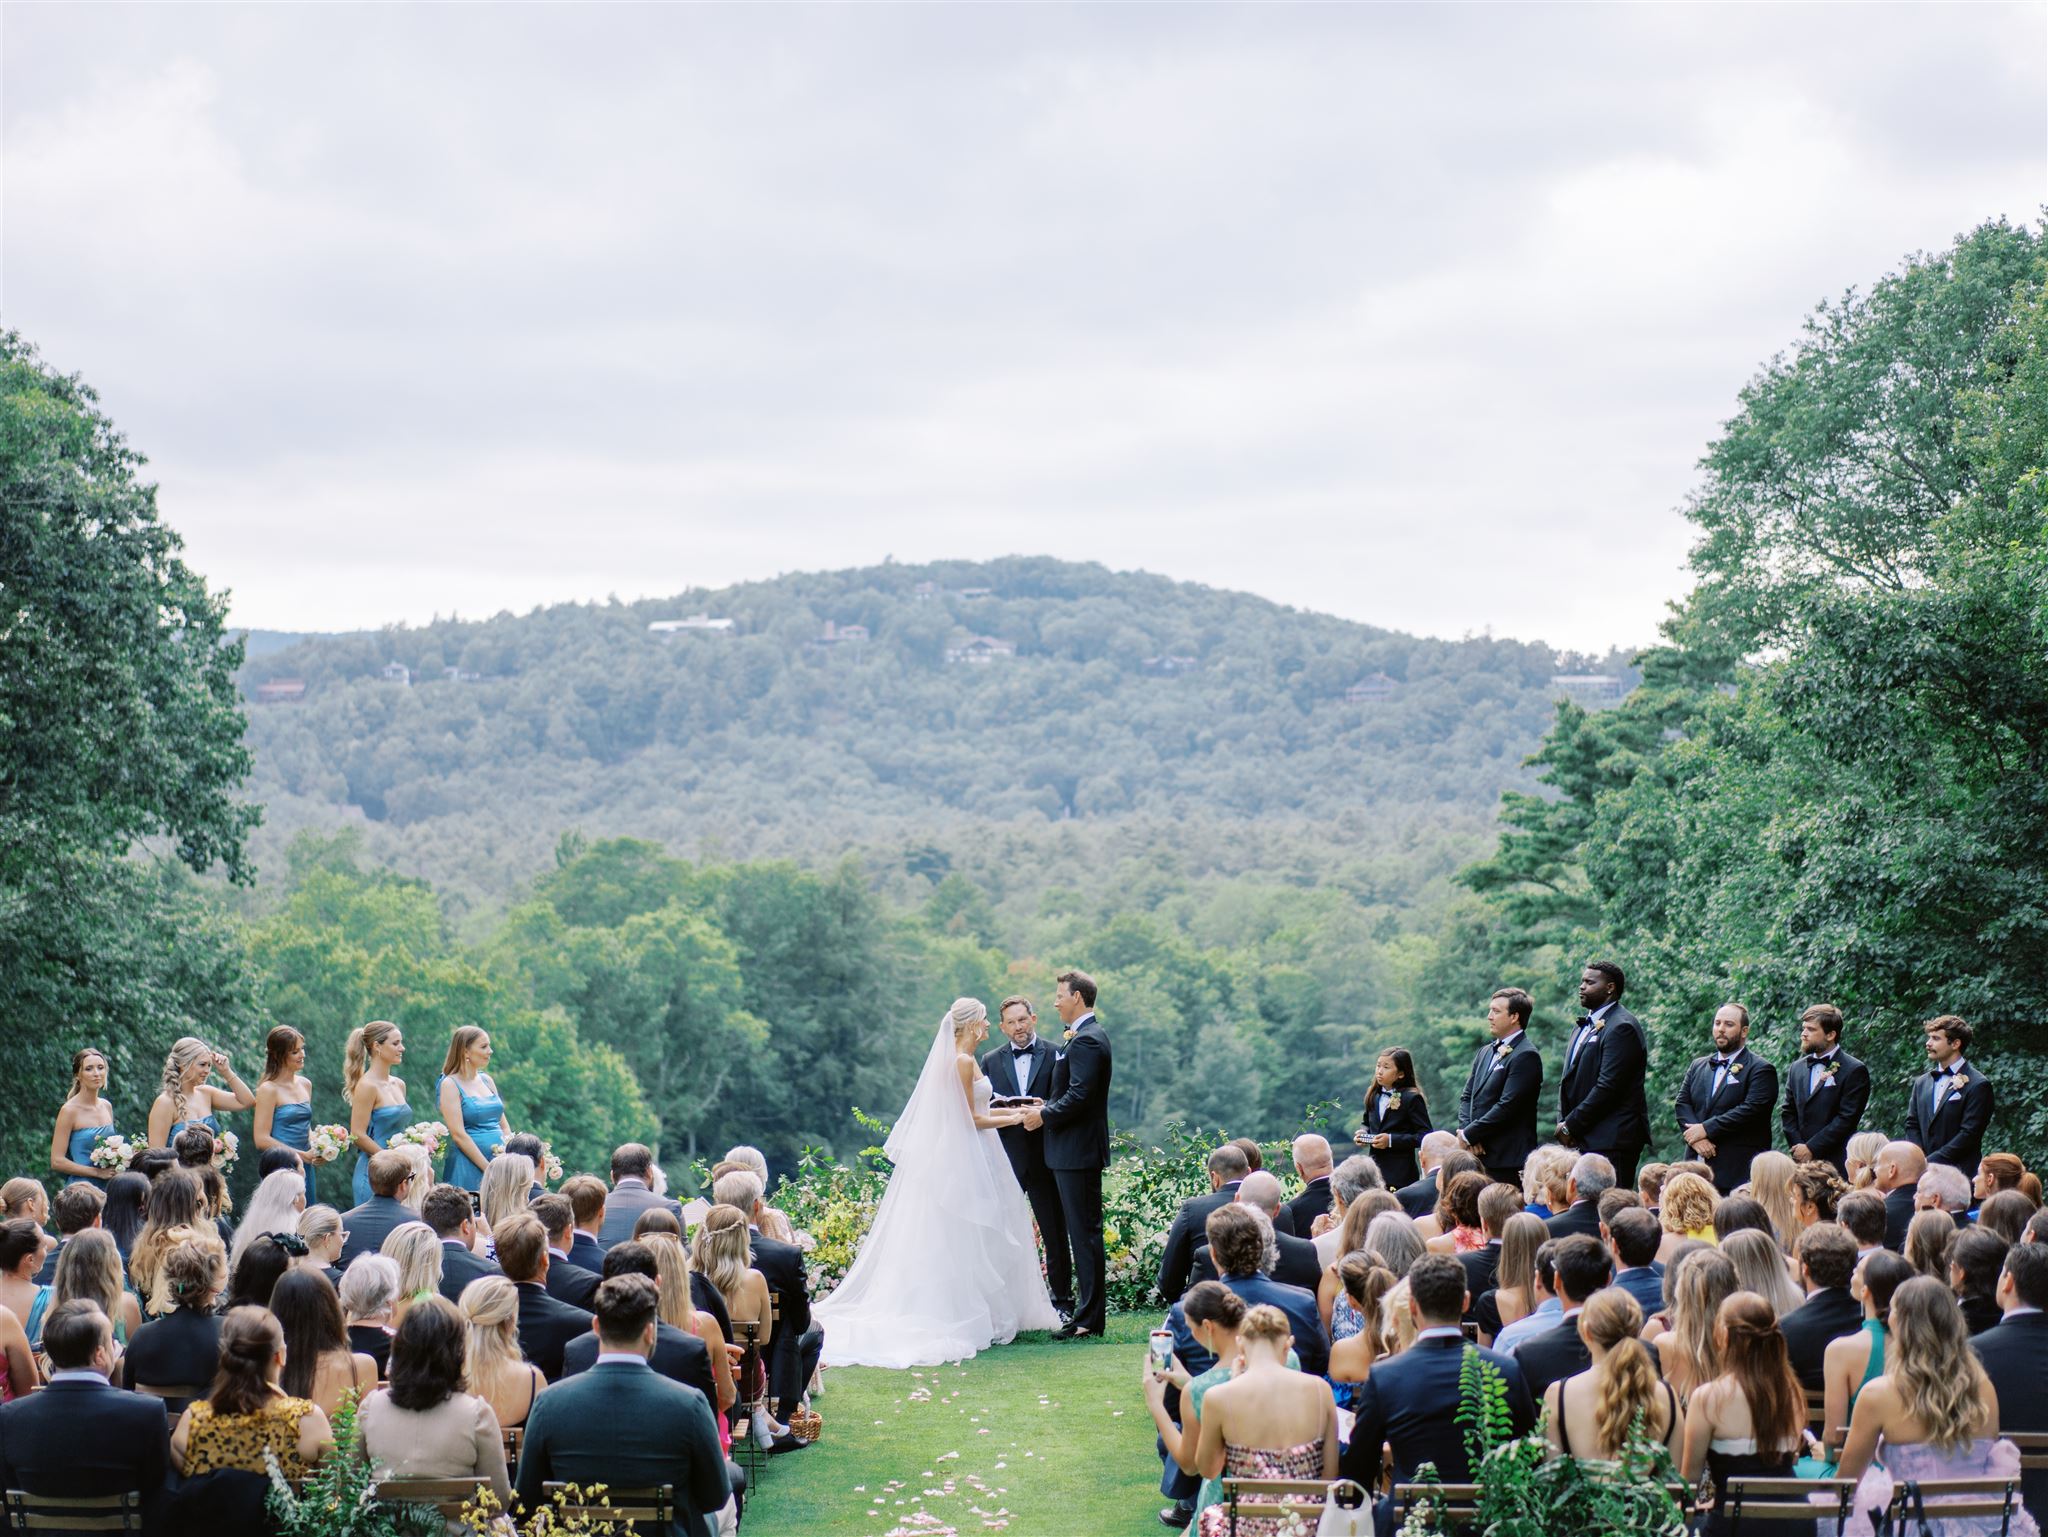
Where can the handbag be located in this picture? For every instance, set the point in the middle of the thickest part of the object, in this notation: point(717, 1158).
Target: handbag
point(1346, 1511)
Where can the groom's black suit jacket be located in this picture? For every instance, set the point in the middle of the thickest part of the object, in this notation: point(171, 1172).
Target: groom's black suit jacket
point(1076, 1118)
point(1026, 1148)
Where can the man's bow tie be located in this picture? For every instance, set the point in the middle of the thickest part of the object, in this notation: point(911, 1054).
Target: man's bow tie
point(1023, 1051)
point(1815, 1059)
point(1722, 1061)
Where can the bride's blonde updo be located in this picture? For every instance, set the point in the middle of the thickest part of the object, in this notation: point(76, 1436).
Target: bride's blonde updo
point(965, 1014)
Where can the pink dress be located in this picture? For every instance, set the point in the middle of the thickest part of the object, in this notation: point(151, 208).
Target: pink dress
point(1294, 1462)
point(1914, 1462)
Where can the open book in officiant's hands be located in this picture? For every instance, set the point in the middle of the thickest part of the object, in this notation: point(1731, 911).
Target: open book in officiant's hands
point(1011, 1101)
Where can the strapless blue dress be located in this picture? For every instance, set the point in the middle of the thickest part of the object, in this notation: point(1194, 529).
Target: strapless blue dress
point(384, 1120)
point(293, 1126)
point(210, 1122)
point(480, 1117)
point(80, 1149)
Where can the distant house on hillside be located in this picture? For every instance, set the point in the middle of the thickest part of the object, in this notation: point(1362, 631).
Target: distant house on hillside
point(281, 691)
point(696, 624)
point(397, 672)
point(925, 592)
point(980, 650)
point(977, 592)
point(1168, 666)
point(457, 675)
point(838, 637)
point(1591, 690)
point(1371, 689)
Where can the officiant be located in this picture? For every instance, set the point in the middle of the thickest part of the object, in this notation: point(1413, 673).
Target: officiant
point(1021, 1068)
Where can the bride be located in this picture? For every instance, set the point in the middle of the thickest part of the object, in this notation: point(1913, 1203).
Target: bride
point(949, 1266)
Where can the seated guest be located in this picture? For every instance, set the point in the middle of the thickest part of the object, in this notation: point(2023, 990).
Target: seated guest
point(447, 1211)
point(1547, 1311)
point(1695, 1287)
point(1856, 1360)
point(1513, 1295)
point(1659, 1322)
point(679, 1311)
point(318, 1364)
point(1441, 1221)
point(25, 1199)
point(245, 1412)
point(1254, 1155)
point(1227, 1169)
point(1859, 1160)
point(1650, 1184)
point(2015, 1355)
point(321, 1227)
point(587, 1200)
point(1294, 1259)
point(632, 1193)
point(1685, 1212)
point(1409, 1402)
point(1545, 1177)
point(1760, 1268)
point(371, 1223)
point(620, 1423)
point(1590, 1178)
point(1863, 1214)
point(1355, 1235)
point(274, 1208)
point(1266, 1422)
point(1772, 1186)
point(176, 1356)
point(1897, 1174)
point(545, 1325)
point(567, 1281)
point(1975, 1263)
point(425, 1425)
point(2004, 1171)
point(720, 1254)
point(496, 1371)
point(263, 1264)
point(90, 1271)
point(1349, 1181)
point(1827, 1259)
point(1459, 1229)
point(1748, 1420)
point(2037, 1227)
point(80, 1436)
point(1816, 1191)
point(1943, 1187)
point(1634, 1236)
point(773, 1222)
point(1237, 1238)
point(2007, 1214)
point(1740, 1214)
point(507, 1192)
point(1312, 1166)
point(528, 1146)
point(1929, 1237)
point(1419, 1197)
point(413, 1247)
point(1365, 1288)
point(1583, 1267)
point(22, 1245)
point(798, 1343)
point(369, 1294)
point(419, 1170)
point(678, 1356)
point(1213, 1313)
point(77, 1208)
point(1497, 1203)
point(1590, 1414)
point(126, 1211)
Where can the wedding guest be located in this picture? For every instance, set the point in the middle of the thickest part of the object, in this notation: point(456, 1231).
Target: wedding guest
point(2015, 1355)
point(425, 1424)
point(680, 1311)
point(275, 1208)
point(1365, 1291)
point(1438, 1221)
point(680, 1353)
point(1549, 1309)
point(632, 1193)
point(1459, 1228)
point(586, 1195)
point(496, 1371)
point(1227, 1169)
point(1943, 1187)
point(1686, 1212)
point(1592, 1413)
point(1545, 1179)
point(793, 1360)
point(254, 1279)
point(1760, 1269)
point(772, 1222)
point(1312, 1166)
point(197, 1148)
point(1853, 1362)
point(1976, 1260)
point(1419, 1197)
point(127, 1209)
point(284, 1103)
point(447, 1211)
point(175, 1214)
point(2006, 1214)
point(2005, 1171)
point(79, 1437)
point(567, 1281)
point(1497, 1203)
point(18, 1373)
point(24, 1198)
point(1634, 1238)
point(545, 1325)
point(720, 1254)
point(1725, 1101)
point(2037, 1228)
point(1949, 1106)
point(1294, 1259)
point(78, 1206)
point(321, 1228)
point(1859, 1164)
point(419, 1168)
point(507, 1191)
point(1817, 1191)
point(1772, 1185)
point(1826, 1091)
point(22, 1245)
point(1398, 1326)
point(1513, 1296)
point(1591, 1177)
point(187, 1099)
point(471, 1108)
point(371, 1222)
point(1349, 1182)
point(1863, 1213)
point(245, 1413)
point(369, 1298)
point(1650, 1184)
point(376, 1101)
point(89, 1270)
point(1600, 1103)
point(1254, 1159)
point(1695, 1287)
point(1266, 1422)
point(1497, 1109)
point(1237, 1238)
point(1396, 1117)
point(318, 1363)
point(417, 1252)
point(1393, 1241)
point(1213, 1314)
point(82, 1120)
point(1826, 1260)
point(174, 1357)
point(1747, 1422)
point(1582, 1267)
point(1929, 1236)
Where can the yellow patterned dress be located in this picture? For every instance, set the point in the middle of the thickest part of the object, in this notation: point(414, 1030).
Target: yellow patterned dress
point(215, 1441)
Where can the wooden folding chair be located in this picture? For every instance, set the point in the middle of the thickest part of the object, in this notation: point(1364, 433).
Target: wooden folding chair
point(1304, 1497)
point(514, 1436)
point(650, 1510)
point(2033, 1447)
point(1954, 1499)
point(1787, 1499)
point(82, 1513)
point(447, 1495)
point(1456, 1505)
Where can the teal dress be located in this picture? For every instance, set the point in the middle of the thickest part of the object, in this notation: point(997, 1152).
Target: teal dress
point(384, 1120)
point(481, 1115)
point(79, 1150)
point(293, 1126)
point(209, 1121)
point(1824, 1467)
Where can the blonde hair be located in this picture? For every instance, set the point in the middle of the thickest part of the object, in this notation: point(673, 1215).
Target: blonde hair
point(1397, 1323)
point(185, 1052)
point(89, 1266)
point(417, 1250)
point(414, 1193)
point(507, 1187)
point(720, 1251)
point(672, 1266)
point(355, 1057)
point(1688, 1204)
point(1929, 1359)
point(458, 1047)
point(1863, 1148)
point(19, 1193)
point(1524, 1234)
point(1760, 1267)
point(318, 1222)
point(1265, 1325)
point(493, 1362)
point(1544, 1173)
point(1771, 1187)
point(1613, 1320)
point(1704, 1280)
point(965, 1014)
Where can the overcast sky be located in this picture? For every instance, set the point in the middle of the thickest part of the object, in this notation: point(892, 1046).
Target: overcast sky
point(1419, 316)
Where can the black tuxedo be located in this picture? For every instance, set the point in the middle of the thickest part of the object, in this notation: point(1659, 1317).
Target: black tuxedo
point(794, 1348)
point(1481, 1266)
point(586, 1251)
point(460, 1266)
point(1076, 1121)
point(369, 1224)
point(1824, 1120)
point(677, 1356)
point(1190, 1228)
point(1952, 1131)
point(1026, 1151)
point(1581, 1217)
point(1552, 1356)
point(2015, 1358)
point(1827, 1315)
point(1738, 1119)
point(77, 1438)
point(1418, 1199)
point(569, 1282)
point(1600, 1093)
point(1298, 1263)
point(622, 1208)
point(1898, 1216)
point(1313, 1201)
point(1408, 1404)
point(1406, 1124)
point(546, 1326)
point(1497, 1109)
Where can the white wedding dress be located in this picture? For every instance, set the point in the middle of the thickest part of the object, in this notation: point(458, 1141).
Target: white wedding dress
point(949, 1266)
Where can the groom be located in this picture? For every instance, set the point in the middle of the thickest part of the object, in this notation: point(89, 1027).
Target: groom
point(1023, 1066)
point(1076, 1122)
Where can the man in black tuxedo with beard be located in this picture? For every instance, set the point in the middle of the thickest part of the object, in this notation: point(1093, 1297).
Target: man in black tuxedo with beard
point(1600, 1103)
point(1826, 1091)
point(1022, 1067)
point(1497, 1110)
point(1950, 1104)
point(1076, 1122)
point(1725, 1102)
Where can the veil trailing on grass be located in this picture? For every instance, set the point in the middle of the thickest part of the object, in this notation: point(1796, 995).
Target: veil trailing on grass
point(949, 1265)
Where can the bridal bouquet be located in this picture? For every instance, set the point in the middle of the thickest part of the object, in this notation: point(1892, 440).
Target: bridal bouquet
point(550, 1165)
point(427, 1134)
point(115, 1152)
point(227, 1147)
point(327, 1143)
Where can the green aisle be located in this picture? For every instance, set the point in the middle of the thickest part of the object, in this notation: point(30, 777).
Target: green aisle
point(1035, 1439)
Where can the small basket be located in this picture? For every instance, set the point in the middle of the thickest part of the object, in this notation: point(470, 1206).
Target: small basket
point(805, 1426)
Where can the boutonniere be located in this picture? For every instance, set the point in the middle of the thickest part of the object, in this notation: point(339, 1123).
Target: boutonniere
point(1734, 1069)
point(1394, 1100)
point(1068, 1036)
point(1953, 1082)
point(1501, 1051)
point(1827, 1069)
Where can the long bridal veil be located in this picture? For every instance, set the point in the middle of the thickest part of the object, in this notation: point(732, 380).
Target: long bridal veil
point(949, 1265)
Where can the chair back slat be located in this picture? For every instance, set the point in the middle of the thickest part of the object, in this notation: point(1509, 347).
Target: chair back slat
point(1786, 1499)
point(447, 1495)
point(75, 1513)
point(647, 1508)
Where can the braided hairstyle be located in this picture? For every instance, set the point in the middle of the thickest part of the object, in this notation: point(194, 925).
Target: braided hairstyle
point(1613, 1320)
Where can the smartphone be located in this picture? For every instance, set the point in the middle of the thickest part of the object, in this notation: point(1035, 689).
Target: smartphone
point(1162, 1349)
point(476, 1203)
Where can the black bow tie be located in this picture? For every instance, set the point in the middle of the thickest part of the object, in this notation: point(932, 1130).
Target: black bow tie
point(1584, 1020)
point(1722, 1061)
point(1815, 1059)
point(1023, 1051)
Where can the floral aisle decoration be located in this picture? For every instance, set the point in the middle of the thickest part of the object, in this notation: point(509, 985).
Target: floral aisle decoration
point(339, 1497)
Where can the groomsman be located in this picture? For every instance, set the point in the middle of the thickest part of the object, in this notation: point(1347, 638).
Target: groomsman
point(1725, 1103)
point(1497, 1109)
point(1022, 1067)
point(1600, 1103)
point(1825, 1092)
point(1950, 1104)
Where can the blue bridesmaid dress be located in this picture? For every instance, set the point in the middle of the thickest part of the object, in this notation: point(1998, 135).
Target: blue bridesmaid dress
point(83, 1140)
point(210, 1122)
point(293, 1126)
point(384, 1120)
point(481, 1115)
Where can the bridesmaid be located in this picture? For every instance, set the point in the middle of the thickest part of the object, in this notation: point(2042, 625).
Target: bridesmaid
point(376, 1100)
point(1396, 1119)
point(84, 1119)
point(476, 1122)
point(284, 1101)
point(187, 1099)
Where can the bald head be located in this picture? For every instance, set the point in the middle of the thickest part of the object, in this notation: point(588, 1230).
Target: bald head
point(1262, 1190)
point(1898, 1165)
point(1436, 1147)
point(1311, 1156)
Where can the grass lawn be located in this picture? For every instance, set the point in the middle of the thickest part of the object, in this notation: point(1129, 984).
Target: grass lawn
point(1036, 1438)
